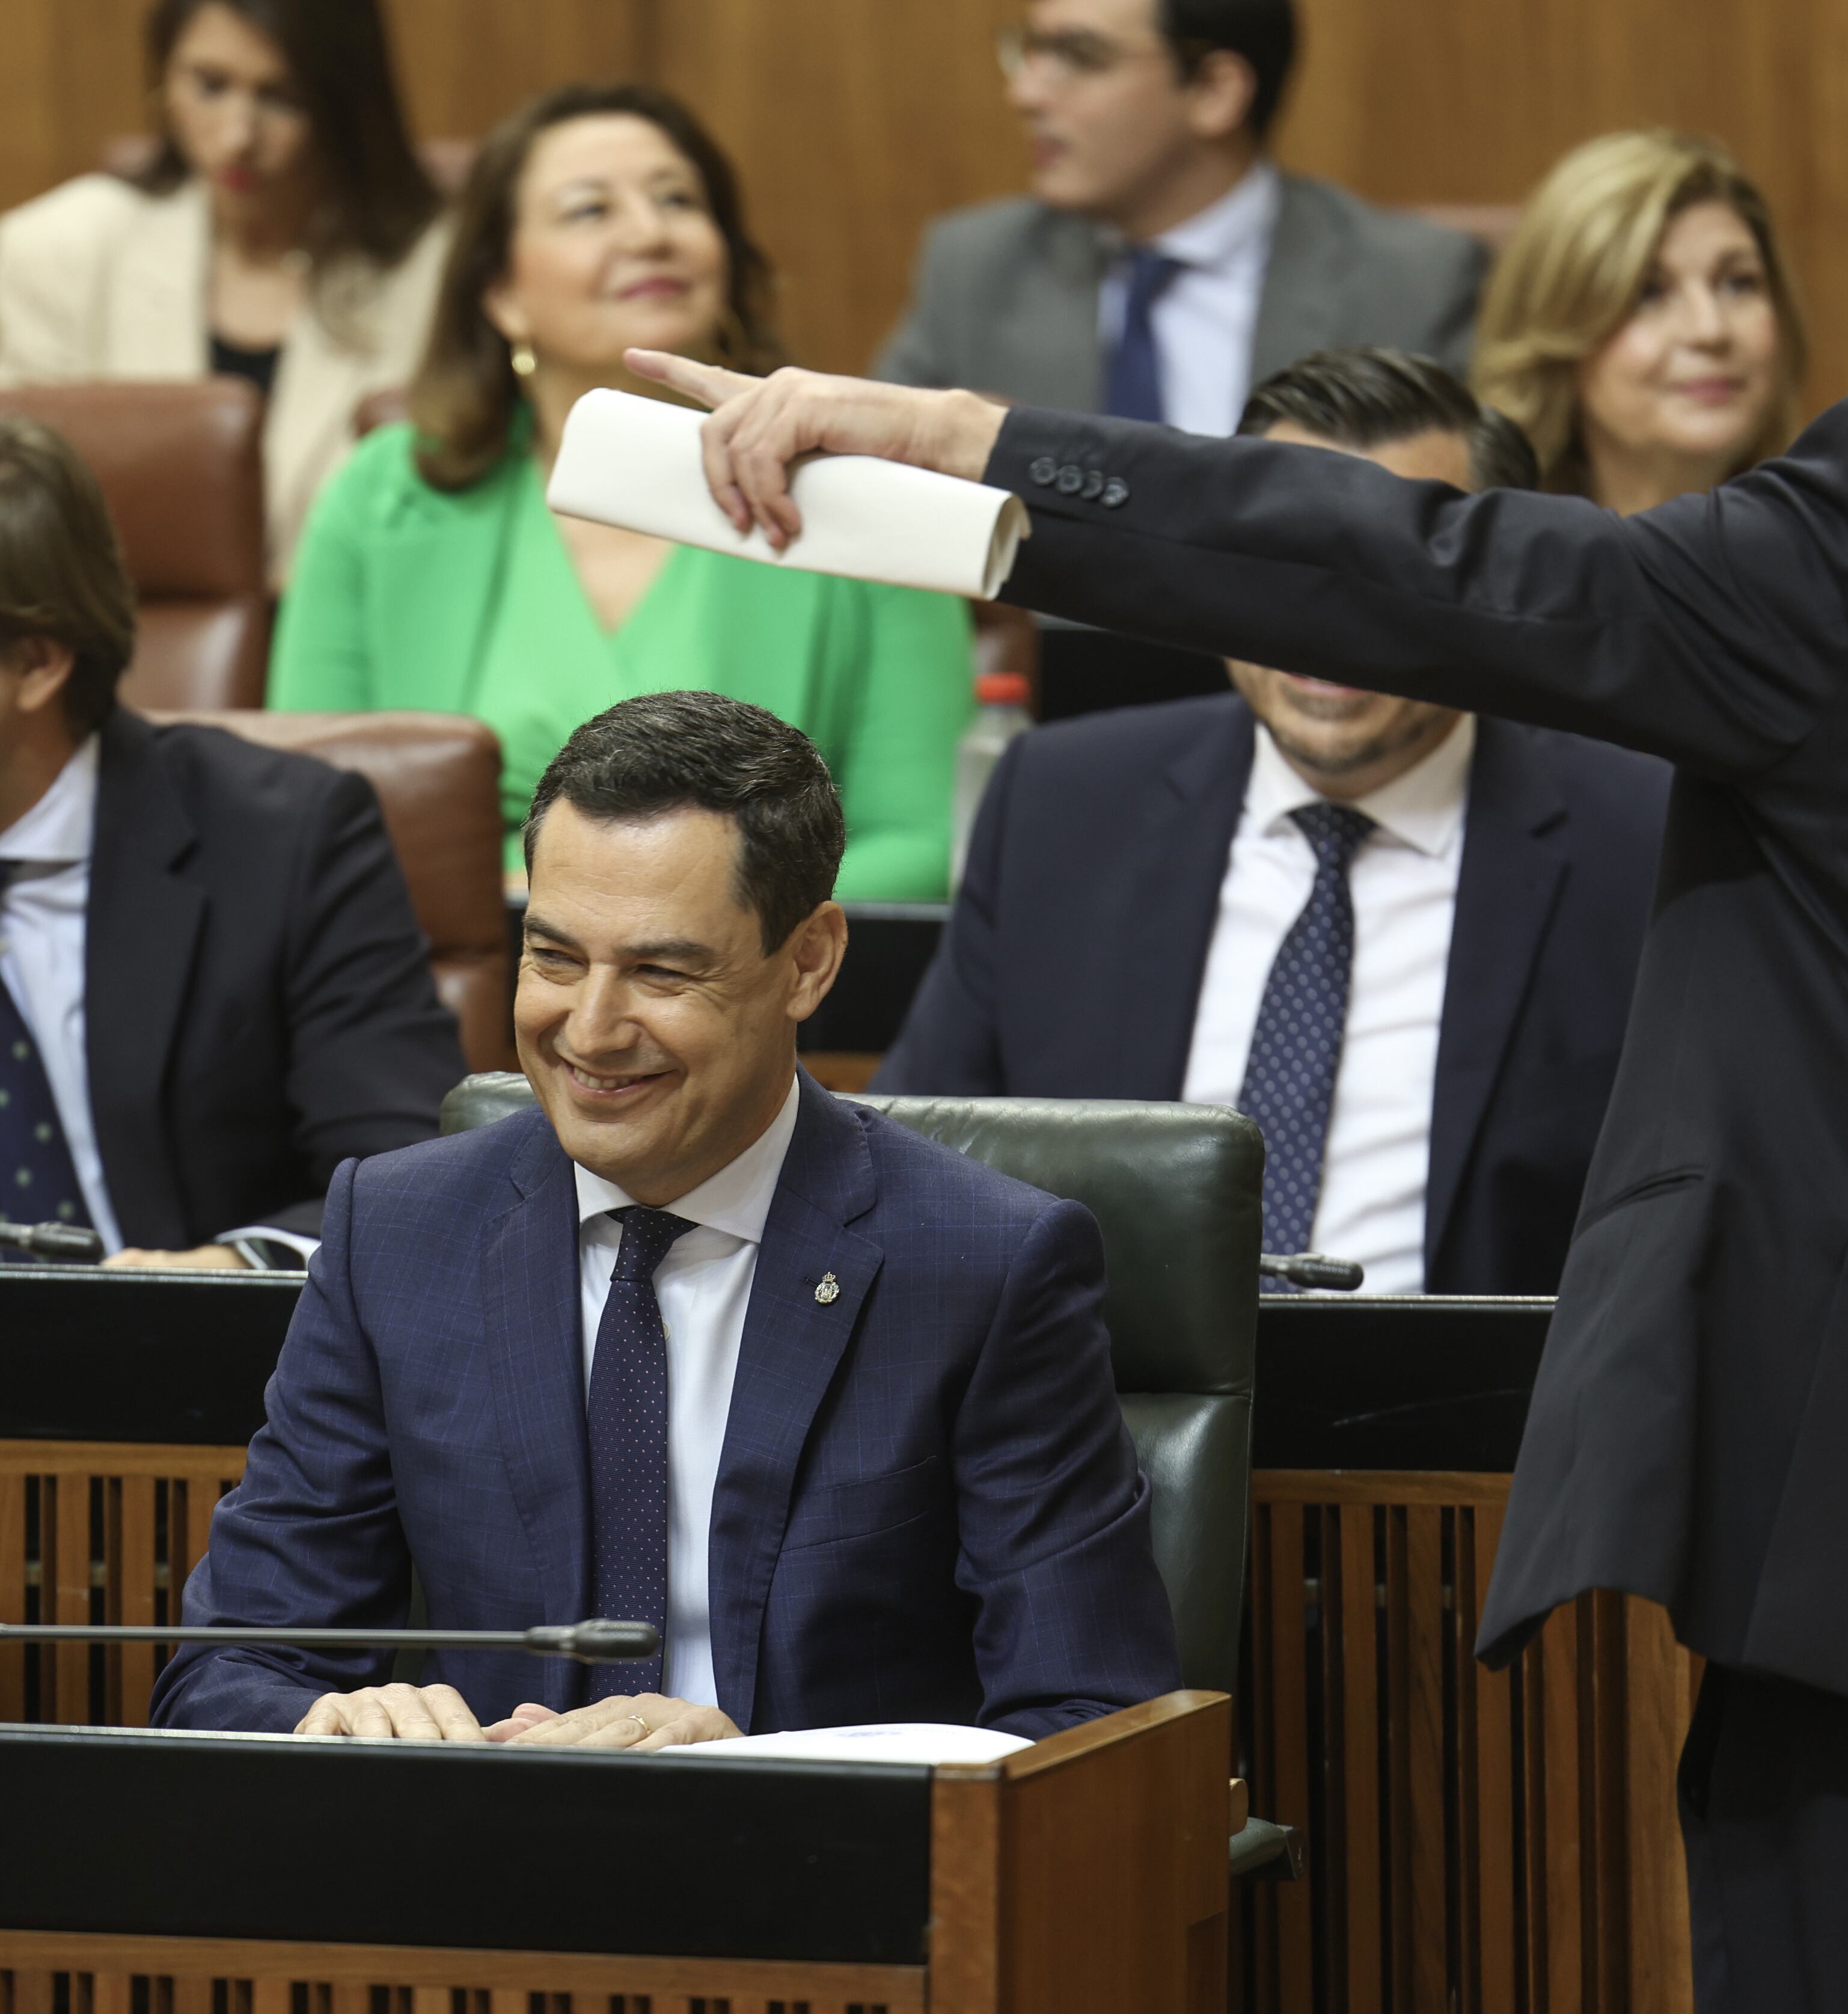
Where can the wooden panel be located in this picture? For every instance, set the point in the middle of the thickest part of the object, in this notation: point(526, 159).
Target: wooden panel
point(115, 1540)
point(1478, 1840)
point(267, 1970)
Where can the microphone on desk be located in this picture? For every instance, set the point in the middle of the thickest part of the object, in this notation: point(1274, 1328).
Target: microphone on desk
point(1312, 1269)
point(593, 1642)
point(53, 1240)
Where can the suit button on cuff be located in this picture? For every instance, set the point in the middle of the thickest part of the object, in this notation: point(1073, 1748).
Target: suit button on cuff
point(1071, 480)
point(1094, 487)
point(1116, 491)
point(1045, 471)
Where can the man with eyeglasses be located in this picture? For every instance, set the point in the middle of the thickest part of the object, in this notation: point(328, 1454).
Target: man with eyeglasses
point(1163, 263)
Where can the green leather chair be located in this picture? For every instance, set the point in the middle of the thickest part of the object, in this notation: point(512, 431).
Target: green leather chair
point(1177, 1191)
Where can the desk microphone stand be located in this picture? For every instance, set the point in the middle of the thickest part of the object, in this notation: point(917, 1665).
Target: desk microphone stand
point(594, 1643)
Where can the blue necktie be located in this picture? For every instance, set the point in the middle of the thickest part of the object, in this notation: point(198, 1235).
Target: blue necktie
point(627, 1411)
point(1296, 1046)
point(38, 1184)
point(1133, 383)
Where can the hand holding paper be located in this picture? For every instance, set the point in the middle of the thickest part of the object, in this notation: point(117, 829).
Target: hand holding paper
point(761, 425)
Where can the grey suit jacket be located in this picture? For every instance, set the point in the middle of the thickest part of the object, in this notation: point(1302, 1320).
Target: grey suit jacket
point(1006, 296)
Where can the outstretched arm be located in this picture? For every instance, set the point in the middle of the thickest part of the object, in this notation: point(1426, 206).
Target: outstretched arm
point(1707, 632)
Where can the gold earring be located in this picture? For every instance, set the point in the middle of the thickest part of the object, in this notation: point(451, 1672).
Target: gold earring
point(522, 359)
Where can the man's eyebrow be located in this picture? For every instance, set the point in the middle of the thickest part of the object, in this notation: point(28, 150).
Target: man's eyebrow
point(684, 950)
point(537, 927)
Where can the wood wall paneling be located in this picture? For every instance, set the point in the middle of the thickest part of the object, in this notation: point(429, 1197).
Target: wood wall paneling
point(853, 120)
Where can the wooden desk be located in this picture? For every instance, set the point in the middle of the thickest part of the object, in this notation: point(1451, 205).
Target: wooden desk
point(1478, 1840)
point(1085, 1874)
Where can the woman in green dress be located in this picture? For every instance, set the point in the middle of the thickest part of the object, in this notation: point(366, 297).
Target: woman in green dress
point(432, 576)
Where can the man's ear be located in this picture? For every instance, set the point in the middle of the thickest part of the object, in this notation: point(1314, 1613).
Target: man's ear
point(817, 945)
point(1220, 95)
point(43, 667)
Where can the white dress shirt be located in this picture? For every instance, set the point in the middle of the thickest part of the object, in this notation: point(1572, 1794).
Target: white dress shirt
point(1377, 1162)
point(1206, 317)
point(704, 1287)
point(43, 933)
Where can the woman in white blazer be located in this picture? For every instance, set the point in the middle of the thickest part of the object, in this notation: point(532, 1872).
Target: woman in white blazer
point(284, 232)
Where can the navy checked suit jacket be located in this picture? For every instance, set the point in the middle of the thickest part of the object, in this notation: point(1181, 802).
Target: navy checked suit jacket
point(927, 1506)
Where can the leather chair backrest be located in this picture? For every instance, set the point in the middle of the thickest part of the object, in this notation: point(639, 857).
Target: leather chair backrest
point(181, 467)
point(1177, 1191)
point(438, 777)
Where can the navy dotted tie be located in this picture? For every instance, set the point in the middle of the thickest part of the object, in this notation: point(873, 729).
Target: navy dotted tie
point(628, 1410)
point(1133, 383)
point(38, 1182)
point(1296, 1046)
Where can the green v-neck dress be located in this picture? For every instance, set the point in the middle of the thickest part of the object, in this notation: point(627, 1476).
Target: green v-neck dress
point(403, 596)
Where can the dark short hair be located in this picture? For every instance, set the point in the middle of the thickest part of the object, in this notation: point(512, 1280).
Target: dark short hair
point(1363, 398)
point(465, 395)
point(61, 573)
point(379, 198)
point(699, 750)
point(1262, 31)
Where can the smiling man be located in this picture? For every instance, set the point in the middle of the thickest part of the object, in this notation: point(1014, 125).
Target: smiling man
point(695, 1344)
point(1402, 939)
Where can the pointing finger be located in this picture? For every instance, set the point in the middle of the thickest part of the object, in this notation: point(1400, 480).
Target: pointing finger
point(709, 383)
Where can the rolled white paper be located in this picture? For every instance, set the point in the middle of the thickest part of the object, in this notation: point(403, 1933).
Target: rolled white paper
point(636, 462)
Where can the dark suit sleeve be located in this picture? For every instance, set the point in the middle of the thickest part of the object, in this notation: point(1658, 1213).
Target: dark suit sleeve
point(1708, 631)
point(371, 1049)
point(951, 1041)
point(1073, 1619)
point(311, 1536)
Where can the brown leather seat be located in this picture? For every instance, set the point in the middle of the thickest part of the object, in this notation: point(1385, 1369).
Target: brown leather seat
point(438, 777)
point(181, 469)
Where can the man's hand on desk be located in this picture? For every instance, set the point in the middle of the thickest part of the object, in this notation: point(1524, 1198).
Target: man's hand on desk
point(404, 1713)
point(648, 1721)
point(760, 425)
point(201, 1258)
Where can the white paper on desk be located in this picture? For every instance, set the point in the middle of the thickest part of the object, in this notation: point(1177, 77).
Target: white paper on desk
point(899, 1741)
point(636, 462)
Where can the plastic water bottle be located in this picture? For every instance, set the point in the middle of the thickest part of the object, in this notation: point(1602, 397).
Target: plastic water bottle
point(1000, 714)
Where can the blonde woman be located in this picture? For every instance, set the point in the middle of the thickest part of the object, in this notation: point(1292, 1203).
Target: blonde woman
point(1641, 325)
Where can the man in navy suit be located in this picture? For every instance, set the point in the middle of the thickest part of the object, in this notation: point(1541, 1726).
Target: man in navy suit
point(693, 1344)
point(1133, 919)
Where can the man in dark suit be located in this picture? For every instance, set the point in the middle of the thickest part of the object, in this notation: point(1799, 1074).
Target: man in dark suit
point(1164, 263)
point(694, 1343)
point(1685, 1441)
point(212, 990)
point(1139, 892)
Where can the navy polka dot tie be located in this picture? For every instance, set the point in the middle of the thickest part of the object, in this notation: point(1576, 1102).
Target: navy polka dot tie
point(1296, 1046)
point(38, 1184)
point(628, 1412)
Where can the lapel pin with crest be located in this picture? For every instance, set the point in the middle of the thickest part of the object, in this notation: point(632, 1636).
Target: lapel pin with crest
point(827, 1290)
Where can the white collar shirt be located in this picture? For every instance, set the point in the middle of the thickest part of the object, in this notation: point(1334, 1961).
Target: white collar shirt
point(1377, 1159)
point(43, 936)
point(703, 1289)
point(1205, 318)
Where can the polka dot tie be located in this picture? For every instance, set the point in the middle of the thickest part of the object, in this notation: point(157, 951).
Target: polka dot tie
point(629, 1448)
point(38, 1183)
point(1296, 1047)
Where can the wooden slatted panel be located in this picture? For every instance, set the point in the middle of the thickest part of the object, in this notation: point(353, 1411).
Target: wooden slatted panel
point(1290, 1778)
point(1514, 1815)
point(1490, 1854)
point(1355, 1626)
point(132, 1589)
point(12, 1592)
point(1424, 1755)
point(79, 1549)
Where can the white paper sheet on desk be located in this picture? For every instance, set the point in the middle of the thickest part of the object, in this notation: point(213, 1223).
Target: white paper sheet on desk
point(898, 1741)
point(636, 462)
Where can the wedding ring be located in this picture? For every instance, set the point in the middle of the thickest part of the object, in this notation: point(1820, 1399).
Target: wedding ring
point(646, 1730)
